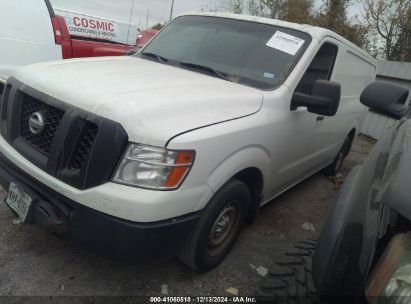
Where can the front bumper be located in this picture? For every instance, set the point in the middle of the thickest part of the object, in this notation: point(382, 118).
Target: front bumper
point(120, 201)
point(95, 230)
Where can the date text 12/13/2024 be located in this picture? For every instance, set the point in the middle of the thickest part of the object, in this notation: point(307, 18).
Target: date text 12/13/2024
point(200, 299)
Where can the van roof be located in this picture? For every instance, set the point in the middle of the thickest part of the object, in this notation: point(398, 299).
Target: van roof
point(316, 32)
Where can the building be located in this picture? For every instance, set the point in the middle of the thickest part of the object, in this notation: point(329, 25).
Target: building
point(397, 72)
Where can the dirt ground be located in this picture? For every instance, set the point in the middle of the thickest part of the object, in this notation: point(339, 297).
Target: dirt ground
point(35, 263)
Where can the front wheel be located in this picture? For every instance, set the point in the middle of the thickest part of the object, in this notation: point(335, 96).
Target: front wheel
point(218, 227)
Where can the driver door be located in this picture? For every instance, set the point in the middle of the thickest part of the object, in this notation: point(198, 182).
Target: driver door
point(303, 133)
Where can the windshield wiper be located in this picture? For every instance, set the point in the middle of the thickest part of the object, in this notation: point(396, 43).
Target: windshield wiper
point(159, 58)
point(207, 69)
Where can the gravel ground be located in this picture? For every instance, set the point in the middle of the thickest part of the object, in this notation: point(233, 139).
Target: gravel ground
point(35, 263)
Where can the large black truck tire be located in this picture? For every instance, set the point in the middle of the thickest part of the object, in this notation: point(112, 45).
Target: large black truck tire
point(291, 280)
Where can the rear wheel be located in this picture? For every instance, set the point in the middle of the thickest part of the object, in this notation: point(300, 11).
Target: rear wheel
point(291, 280)
point(218, 228)
point(336, 165)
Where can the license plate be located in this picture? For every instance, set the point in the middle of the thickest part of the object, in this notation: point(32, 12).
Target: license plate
point(19, 201)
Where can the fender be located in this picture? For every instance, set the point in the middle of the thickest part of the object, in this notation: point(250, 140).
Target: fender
point(248, 157)
point(347, 244)
point(341, 235)
point(398, 194)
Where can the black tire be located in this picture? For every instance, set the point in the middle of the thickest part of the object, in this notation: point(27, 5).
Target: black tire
point(202, 250)
point(291, 280)
point(335, 166)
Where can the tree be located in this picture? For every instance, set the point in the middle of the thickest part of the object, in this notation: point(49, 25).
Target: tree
point(274, 7)
point(234, 6)
point(404, 50)
point(289, 10)
point(157, 26)
point(256, 8)
point(390, 20)
point(336, 13)
point(333, 16)
point(298, 11)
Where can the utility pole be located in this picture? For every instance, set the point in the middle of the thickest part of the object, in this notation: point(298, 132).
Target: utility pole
point(171, 11)
point(129, 22)
point(148, 15)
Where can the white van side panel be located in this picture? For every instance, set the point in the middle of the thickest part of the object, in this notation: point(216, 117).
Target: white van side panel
point(26, 35)
point(353, 71)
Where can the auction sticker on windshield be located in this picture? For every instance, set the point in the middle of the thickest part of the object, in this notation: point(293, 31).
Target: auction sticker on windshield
point(19, 201)
point(285, 43)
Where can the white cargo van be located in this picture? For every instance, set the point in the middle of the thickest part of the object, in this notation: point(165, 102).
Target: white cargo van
point(31, 32)
point(26, 35)
point(171, 151)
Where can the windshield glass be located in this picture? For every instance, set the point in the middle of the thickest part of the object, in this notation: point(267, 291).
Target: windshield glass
point(255, 54)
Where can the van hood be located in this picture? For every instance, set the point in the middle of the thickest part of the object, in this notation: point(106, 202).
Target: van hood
point(152, 101)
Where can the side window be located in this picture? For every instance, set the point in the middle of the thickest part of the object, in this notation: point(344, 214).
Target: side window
point(320, 68)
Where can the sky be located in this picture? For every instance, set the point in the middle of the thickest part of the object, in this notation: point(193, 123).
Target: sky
point(158, 10)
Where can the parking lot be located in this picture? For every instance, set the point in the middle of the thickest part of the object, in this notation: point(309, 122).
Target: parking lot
point(33, 262)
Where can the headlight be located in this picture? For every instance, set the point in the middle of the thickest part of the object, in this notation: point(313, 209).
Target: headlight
point(153, 168)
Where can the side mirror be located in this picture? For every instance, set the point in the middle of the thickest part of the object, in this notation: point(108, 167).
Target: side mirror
point(387, 98)
point(324, 99)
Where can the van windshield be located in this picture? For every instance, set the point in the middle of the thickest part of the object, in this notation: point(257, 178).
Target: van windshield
point(250, 53)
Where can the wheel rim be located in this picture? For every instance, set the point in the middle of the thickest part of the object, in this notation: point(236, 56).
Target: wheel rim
point(223, 228)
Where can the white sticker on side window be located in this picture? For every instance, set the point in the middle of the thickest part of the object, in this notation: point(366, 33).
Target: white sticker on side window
point(285, 42)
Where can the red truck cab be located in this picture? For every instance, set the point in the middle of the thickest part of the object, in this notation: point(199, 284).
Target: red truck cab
point(145, 36)
point(75, 46)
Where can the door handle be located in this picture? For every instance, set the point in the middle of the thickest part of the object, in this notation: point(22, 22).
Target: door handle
point(320, 118)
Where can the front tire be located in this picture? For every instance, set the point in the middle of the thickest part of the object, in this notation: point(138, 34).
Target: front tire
point(218, 227)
